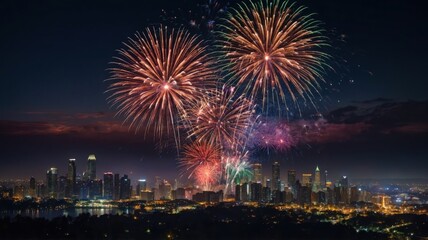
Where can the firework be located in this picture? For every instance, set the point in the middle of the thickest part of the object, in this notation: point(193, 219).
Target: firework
point(272, 134)
point(237, 168)
point(200, 15)
point(207, 175)
point(159, 73)
point(272, 49)
point(221, 120)
point(201, 161)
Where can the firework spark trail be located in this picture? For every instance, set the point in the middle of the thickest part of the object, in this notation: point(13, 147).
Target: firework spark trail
point(166, 83)
point(199, 159)
point(272, 49)
point(157, 76)
point(201, 16)
point(219, 119)
point(236, 167)
point(274, 135)
point(207, 176)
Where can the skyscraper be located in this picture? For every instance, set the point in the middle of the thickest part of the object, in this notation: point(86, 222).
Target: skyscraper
point(316, 187)
point(116, 186)
point(344, 182)
point(325, 178)
point(268, 183)
point(108, 185)
point(62, 187)
point(276, 176)
point(291, 178)
point(158, 181)
point(141, 186)
point(237, 192)
point(307, 179)
point(71, 178)
point(95, 189)
point(342, 191)
point(165, 190)
point(32, 191)
point(354, 195)
point(245, 192)
point(125, 187)
point(52, 182)
point(91, 172)
point(256, 192)
point(257, 172)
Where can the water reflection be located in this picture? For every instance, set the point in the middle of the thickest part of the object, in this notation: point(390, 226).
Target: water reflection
point(72, 212)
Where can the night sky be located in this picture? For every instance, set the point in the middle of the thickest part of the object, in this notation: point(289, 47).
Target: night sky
point(54, 56)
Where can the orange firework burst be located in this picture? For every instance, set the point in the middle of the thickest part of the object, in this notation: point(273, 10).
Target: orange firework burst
point(271, 48)
point(208, 175)
point(157, 76)
point(201, 161)
point(221, 120)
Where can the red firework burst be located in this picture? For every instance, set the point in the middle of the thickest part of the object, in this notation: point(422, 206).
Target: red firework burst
point(202, 162)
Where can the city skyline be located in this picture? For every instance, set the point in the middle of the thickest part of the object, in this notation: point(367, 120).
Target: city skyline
point(262, 174)
point(265, 172)
point(372, 121)
point(310, 189)
point(213, 119)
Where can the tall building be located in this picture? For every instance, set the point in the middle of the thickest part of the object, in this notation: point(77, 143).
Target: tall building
point(266, 194)
point(307, 179)
point(165, 190)
point(95, 189)
point(71, 178)
point(256, 192)
point(276, 176)
point(125, 187)
point(116, 186)
point(158, 181)
point(268, 183)
point(291, 178)
point(32, 190)
point(316, 187)
point(344, 182)
point(141, 186)
point(245, 192)
point(52, 182)
point(41, 191)
point(84, 189)
point(344, 190)
point(355, 195)
point(62, 187)
point(257, 172)
point(325, 178)
point(108, 186)
point(237, 193)
point(304, 195)
point(91, 170)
